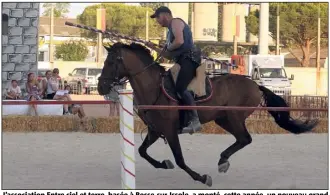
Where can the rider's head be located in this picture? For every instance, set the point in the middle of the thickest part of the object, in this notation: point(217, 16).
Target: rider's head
point(163, 16)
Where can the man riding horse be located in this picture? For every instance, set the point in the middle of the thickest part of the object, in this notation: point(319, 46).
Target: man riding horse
point(180, 48)
point(130, 61)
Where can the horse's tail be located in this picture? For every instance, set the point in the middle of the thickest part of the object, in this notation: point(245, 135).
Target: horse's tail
point(282, 118)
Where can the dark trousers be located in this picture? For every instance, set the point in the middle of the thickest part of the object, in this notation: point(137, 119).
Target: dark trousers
point(50, 96)
point(186, 74)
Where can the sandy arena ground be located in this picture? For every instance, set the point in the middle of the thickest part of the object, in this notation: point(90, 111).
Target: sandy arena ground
point(92, 161)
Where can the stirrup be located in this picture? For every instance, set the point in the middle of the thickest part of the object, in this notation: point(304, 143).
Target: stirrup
point(193, 127)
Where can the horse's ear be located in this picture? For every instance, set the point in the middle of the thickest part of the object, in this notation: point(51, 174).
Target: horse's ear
point(107, 47)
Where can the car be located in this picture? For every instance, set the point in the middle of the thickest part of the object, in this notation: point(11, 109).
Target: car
point(83, 79)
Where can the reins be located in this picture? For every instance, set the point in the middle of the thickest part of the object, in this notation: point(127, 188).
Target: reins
point(116, 81)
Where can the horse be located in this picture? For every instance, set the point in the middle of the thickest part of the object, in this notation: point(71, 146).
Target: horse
point(152, 85)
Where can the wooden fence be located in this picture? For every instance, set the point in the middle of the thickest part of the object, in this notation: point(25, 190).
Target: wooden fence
point(295, 101)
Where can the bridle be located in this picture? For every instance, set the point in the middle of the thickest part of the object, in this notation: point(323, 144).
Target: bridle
point(117, 81)
point(118, 62)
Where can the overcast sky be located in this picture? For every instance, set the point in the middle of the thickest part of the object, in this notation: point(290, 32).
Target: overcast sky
point(77, 8)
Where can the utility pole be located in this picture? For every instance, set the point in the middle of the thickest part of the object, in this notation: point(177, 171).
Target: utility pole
point(147, 25)
point(192, 25)
point(235, 44)
point(278, 30)
point(51, 44)
point(100, 19)
point(263, 29)
point(235, 36)
point(318, 53)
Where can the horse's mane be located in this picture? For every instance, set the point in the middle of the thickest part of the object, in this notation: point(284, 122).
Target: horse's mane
point(142, 52)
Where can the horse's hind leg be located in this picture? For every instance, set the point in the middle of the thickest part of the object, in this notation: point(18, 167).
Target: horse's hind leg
point(147, 142)
point(174, 143)
point(243, 138)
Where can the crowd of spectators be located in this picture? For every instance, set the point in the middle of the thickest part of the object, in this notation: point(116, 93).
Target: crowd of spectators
point(47, 89)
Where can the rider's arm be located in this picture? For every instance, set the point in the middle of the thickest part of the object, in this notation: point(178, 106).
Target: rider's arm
point(159, 51)
point(177, 29)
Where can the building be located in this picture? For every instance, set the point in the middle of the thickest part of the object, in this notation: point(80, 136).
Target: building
point(19, 41)
point(62, 33)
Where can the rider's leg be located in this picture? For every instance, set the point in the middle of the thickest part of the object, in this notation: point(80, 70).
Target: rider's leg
point(186, 74)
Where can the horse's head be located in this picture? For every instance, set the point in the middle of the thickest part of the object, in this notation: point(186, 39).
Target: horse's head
point(112, 70)
point(123, 61)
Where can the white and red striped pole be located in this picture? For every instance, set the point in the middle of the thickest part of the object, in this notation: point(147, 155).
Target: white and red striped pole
point(127, 144)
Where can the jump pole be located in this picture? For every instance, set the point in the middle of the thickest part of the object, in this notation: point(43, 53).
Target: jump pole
point(127, 144)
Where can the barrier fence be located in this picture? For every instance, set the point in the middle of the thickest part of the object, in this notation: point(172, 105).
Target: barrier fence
point(294, 101)
point(164, 107)
point(126, 119)
point(298, 101)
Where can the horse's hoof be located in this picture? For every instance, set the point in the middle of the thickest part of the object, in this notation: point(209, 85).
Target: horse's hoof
point(168, 164)
point(208, 180)
point(223, 167)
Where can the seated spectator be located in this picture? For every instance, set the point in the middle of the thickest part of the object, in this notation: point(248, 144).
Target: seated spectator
point(33, 91)
point(53, 88)
point(44, 84)
point(51, 84)
point(13, 92)
point(77, 108)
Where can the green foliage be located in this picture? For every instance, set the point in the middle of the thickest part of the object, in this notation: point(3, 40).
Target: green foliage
point(121, 18)
point(252, 22)
point(71, 51)
point(60, 9)
point(298, 25)
point(153, 6)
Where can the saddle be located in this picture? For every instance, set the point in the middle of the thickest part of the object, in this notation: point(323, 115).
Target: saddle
point(200, 86)
point(197, 85)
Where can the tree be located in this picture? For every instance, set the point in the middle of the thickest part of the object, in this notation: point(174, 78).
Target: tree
point(60, 9)
point(153, 6)
point(298, 25)
point(71, 51)
point(121, 18)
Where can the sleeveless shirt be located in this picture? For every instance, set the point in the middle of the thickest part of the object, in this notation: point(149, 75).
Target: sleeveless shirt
point(187, 37)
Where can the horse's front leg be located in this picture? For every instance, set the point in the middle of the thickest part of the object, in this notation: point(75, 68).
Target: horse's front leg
point(173, 140)
point(147, 142)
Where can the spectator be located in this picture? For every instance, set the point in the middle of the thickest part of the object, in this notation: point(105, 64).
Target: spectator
point(114, 97)
point(14, 91)
point(33, 90)
point(52, 84)
point(44, 83)
point(77, 108)
point(53, 88)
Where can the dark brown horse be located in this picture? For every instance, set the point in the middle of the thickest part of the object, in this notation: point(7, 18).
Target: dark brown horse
point(147, 79)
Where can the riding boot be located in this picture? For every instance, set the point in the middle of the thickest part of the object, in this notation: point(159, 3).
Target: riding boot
point(193, 125)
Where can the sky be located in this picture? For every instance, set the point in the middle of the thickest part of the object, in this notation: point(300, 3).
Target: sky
point(78, 8)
